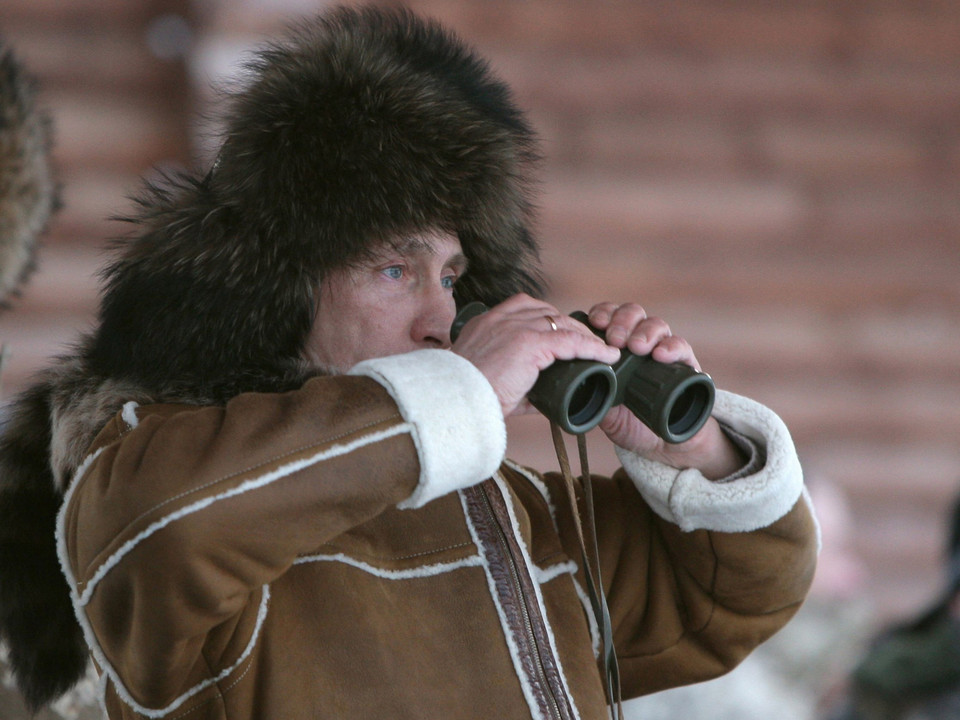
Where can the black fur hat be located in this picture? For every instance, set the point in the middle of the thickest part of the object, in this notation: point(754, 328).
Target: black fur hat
point(357, 127)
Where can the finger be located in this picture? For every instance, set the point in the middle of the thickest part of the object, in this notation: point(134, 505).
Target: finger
point(518, 305)
point(675, 349)
point(516, 312)
point(565, 322)
point(624, 322)
point(524, 305)
point(542, 317)
point(572, 343)
point(647, 334)
point(600, 314)
point(532, 321)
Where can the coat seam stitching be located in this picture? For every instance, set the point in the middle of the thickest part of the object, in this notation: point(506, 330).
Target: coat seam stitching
point(263, 464)
point(204, 502)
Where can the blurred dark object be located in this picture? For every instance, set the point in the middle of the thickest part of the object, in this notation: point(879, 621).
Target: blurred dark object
point(912, 670)
point(28, 192)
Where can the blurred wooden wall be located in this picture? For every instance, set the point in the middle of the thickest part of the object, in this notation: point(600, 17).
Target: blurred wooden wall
point(780, 181)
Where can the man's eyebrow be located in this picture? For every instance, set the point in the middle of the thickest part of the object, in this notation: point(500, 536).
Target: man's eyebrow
point(458, 262)
point(414, 244)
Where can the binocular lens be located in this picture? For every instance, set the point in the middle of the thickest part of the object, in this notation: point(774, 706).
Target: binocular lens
point(576, 394)
point(688, 409)
point(588, 399)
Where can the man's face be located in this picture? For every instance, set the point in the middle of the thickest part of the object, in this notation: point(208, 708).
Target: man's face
point(398, 301)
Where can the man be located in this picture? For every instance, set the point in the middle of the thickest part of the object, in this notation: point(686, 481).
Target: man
point(285, 491)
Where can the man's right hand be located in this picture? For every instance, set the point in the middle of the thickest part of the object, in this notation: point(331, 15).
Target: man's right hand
point(513, 341)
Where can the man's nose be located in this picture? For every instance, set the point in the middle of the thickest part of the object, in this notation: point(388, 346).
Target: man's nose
point(432, 326)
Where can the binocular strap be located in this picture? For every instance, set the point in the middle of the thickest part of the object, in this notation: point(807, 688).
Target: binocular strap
point(591, 565)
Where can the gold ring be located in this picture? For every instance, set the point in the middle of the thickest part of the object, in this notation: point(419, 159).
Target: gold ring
point(553, 323)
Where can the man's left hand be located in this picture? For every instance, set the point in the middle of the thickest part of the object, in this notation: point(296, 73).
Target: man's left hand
point(629, 326)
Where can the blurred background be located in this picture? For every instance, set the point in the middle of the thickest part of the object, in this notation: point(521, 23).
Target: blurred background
point(780, 181)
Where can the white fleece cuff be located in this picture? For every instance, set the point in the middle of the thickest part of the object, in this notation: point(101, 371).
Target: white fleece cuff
point(688, 499)
point(458, 425)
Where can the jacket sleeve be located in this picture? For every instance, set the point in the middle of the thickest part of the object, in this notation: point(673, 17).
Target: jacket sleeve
point(181, 516)
point(698, 573)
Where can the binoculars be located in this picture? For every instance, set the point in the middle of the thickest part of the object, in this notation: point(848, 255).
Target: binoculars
point(672, 399)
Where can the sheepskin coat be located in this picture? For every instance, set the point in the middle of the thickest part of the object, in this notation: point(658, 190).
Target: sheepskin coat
point(355, 548)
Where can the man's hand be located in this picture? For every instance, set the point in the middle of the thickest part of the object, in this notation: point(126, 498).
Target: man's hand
point(513, 341)
point(710, 451)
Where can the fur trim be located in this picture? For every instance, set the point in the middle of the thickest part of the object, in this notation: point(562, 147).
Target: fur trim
point(687, 498)
point(47, 652)
point(458, 424)
point(28, 193)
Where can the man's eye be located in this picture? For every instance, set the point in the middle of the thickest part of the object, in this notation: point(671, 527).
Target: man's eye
point(394, 272)
point(448, 282)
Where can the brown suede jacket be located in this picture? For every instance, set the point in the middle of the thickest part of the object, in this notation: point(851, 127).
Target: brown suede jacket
point(357, 548)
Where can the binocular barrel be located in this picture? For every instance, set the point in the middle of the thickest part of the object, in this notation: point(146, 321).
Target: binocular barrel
point(672, 399)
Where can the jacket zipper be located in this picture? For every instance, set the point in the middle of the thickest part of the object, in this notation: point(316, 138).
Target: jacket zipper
point(517, 587)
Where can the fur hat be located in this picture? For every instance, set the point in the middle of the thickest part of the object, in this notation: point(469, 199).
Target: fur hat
point(28, 193)
point(357, 127)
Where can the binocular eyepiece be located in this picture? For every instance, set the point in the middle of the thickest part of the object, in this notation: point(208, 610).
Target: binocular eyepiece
point(672, 399)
